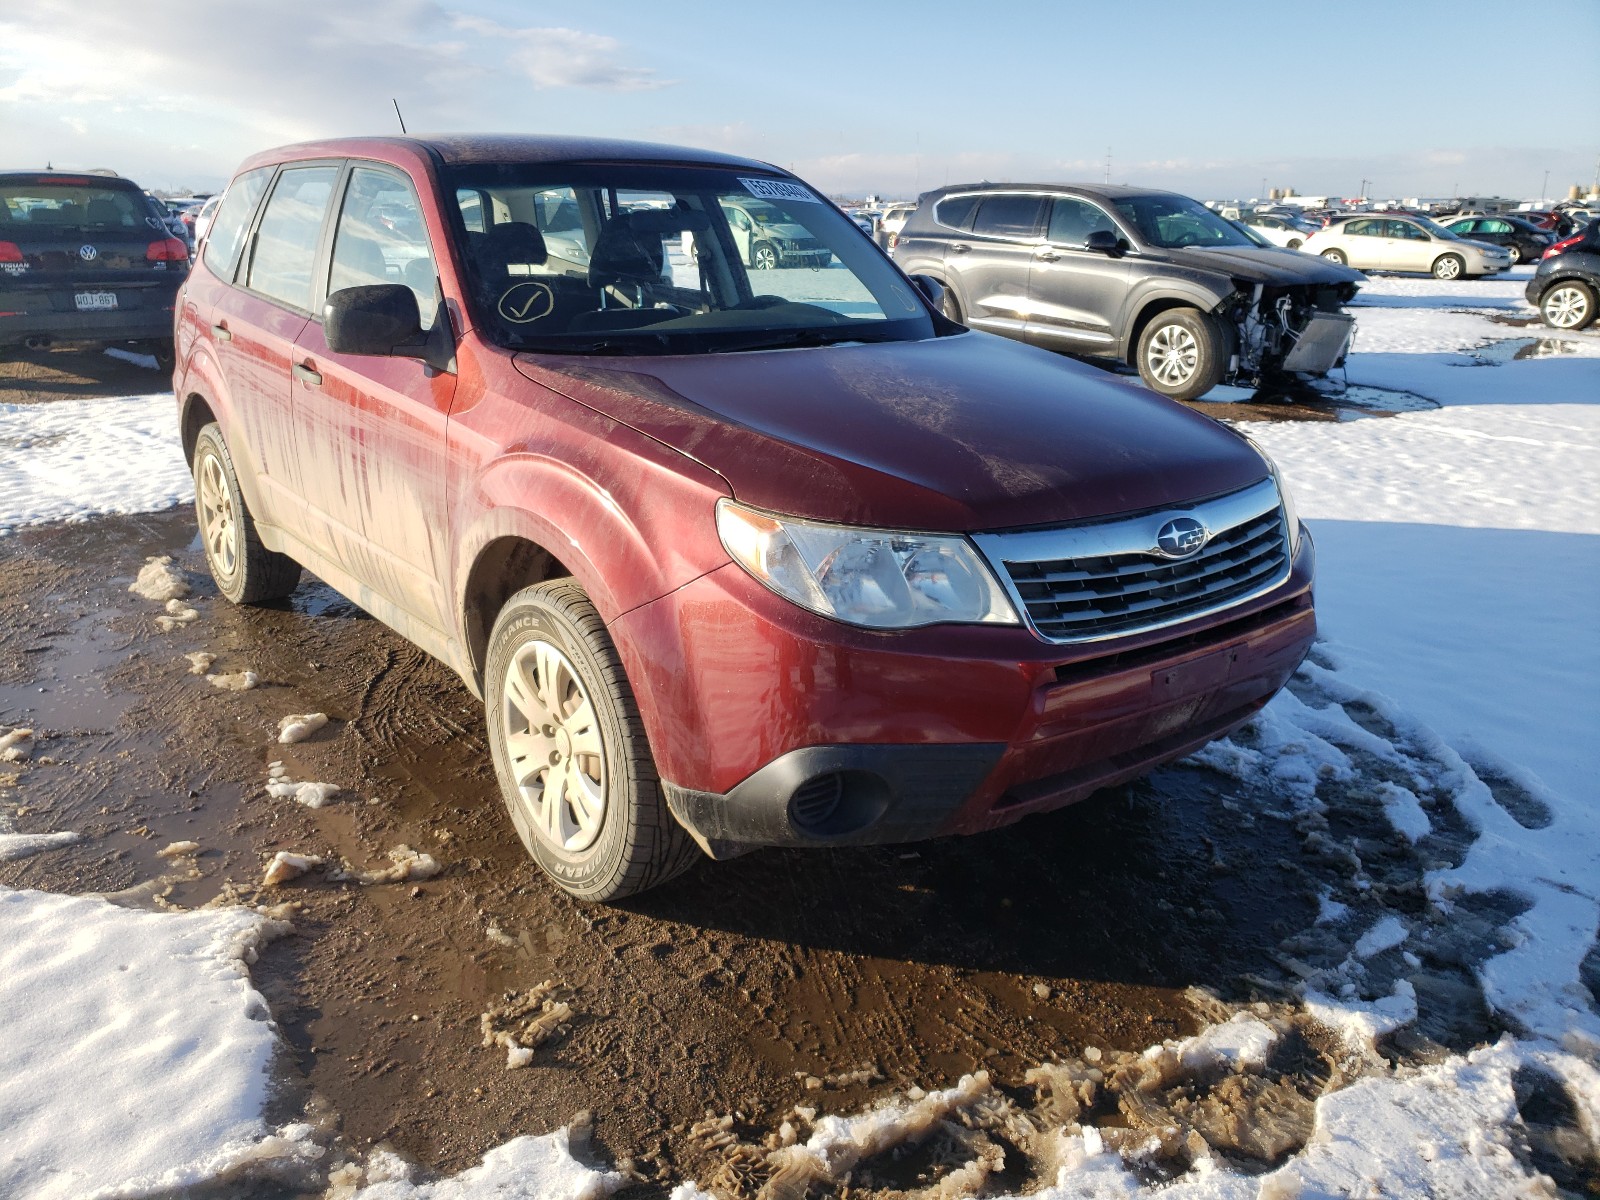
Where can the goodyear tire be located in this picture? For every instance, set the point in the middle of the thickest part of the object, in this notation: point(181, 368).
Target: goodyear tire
point(245, 570)
point(570, 751)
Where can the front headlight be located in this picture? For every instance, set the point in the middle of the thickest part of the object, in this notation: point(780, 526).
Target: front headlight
point(878, 579)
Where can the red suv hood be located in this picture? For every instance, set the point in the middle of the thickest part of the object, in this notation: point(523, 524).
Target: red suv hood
point(960, 433)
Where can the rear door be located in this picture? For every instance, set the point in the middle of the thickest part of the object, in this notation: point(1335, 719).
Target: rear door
point(258, 319)
point(372, 429)
point(992, 266)
point(85, 246)
point(1364, 243)
point(1077, 295)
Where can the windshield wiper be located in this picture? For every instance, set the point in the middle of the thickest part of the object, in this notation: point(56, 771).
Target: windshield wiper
point(800, 337)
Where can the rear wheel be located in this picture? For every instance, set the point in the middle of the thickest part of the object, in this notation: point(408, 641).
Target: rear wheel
point(1516, 253)
point(1295, 243)
point(245, 570)
point(1182, 354)
point(1449, 266)
point(570, 751)
point(1568, 305)
point(1335, 256)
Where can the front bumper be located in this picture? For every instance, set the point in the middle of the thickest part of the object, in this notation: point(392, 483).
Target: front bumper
point(772, 726)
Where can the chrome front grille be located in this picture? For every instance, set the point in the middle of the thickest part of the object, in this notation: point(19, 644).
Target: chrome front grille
point(1088, 582)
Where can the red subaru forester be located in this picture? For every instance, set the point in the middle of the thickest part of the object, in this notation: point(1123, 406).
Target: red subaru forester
point(741, 541)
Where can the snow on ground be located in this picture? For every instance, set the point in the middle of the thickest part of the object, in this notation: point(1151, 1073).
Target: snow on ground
point(69, 460)
point(136, 1054)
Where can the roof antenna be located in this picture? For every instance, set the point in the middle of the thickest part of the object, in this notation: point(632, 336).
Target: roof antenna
point(398, 117)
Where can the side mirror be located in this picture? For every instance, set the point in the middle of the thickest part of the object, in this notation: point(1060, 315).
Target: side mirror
point(932, 290)
point(1103, 241)
point(378, 318)
point(383, 319)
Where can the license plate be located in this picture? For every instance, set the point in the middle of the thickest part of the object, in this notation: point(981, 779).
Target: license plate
point(94, 301)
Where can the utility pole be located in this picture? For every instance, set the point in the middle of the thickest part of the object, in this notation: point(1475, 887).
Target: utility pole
point(1262, 194)
point(1544, 188)
point(1108, 164)
point(1362, 194)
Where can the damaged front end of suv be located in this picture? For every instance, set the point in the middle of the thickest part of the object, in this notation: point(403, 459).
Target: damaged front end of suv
point(1293, 330)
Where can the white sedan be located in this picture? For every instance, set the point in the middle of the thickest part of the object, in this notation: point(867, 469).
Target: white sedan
point(1280, 231)
point(1391, 243)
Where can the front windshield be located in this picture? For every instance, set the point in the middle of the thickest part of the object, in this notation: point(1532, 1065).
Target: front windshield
point(1171, 222)
point(653, 259)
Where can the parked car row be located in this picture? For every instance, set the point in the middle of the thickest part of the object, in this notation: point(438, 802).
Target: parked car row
point(1402, 243)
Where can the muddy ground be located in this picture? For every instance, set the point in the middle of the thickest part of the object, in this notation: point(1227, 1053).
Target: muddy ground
point(824, 979)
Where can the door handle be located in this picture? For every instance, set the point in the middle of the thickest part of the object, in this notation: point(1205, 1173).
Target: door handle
point(307, 376)
point(221, 333)
point(960, 247)
point(1048, 256)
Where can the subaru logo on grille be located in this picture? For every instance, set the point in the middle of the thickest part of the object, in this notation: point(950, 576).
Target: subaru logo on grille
point(88, 253)
point(1181, 537)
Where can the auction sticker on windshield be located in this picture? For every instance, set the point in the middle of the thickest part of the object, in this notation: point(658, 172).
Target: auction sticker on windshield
point(779, 189)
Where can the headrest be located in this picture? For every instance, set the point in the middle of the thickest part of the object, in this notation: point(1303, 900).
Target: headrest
point(512, 242)
point(626, 253)
point(104, 212)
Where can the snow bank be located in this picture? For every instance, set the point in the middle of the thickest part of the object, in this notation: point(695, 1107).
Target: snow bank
point(85, 458)
point(135, 1057)
point(22, 845)
point(525, 1168)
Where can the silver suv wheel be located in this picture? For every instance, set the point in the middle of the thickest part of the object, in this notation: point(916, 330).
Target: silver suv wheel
point(219, 526)
point(1566, 306)
point(552, 740)
point(1172, 355)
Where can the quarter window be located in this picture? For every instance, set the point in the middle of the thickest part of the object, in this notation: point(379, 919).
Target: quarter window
point(233, 218)
point(1009, 216)
point(955, 212)
point(286, 239)
point(382, 239)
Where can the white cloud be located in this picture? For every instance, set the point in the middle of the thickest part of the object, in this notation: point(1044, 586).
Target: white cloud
point(557, 57)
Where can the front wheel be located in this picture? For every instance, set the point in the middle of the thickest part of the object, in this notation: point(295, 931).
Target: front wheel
point(570, 751)
point(950, 306)
point(1295, 243)
point(764, 257)
point(1516, 253)
point(1568, 305)
point(1335, 256)
point(245, 570)
point(1449, 266)
point(1182, 354)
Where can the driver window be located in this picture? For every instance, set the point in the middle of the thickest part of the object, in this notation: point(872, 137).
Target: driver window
point(381, 238)
point(1072, 220)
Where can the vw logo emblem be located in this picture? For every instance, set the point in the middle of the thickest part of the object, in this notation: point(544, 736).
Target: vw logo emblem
point(88, 253)
point(1181, 537)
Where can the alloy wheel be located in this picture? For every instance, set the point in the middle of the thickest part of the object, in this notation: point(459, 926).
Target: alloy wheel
point(552, 739)
point(1172, 355)
point(1447, 267)
point(219, 524)
point(1566, 307)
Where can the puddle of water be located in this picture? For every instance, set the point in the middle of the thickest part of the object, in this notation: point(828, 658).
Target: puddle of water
point(1304, 402)
point(69, 690)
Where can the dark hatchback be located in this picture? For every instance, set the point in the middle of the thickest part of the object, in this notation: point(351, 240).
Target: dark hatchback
point(83, 260)
point(1526, 242)
point(1567, 284)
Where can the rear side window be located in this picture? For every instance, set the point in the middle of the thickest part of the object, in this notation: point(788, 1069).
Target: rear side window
point(382, 239)
point(286, 239)
point(227, 231)
point(1008, 216)
point(1367, 228)
point(956, 211)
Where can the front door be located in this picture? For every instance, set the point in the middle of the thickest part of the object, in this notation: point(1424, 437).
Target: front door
point(374, 427)
point(1077, 294)
point(1408, 247)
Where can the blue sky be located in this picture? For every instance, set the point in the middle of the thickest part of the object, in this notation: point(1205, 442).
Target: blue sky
point(1207, 98)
